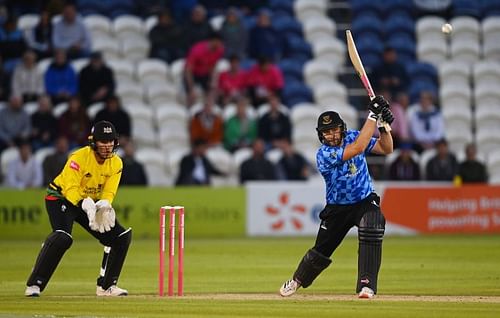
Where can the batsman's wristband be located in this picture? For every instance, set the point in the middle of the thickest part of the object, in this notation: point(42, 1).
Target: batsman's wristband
point(372, 116)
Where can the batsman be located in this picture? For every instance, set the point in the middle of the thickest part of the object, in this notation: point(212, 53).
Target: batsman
point(83, 192)
point(350, 198)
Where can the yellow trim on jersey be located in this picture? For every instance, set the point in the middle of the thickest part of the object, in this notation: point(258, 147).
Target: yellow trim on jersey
point(82, 176)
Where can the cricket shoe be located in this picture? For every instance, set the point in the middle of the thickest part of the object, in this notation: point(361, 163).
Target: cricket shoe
point(112, 291)
point(32, 291)
point(366, 293)
point(289, 288)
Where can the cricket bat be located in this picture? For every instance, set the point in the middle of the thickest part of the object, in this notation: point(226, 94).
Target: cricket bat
point(360, 70)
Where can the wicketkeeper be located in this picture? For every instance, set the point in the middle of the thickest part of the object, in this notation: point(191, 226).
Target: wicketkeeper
point(83, 192)
point(350, 198)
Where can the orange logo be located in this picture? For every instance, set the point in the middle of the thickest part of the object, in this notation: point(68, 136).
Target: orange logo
point(286, 212)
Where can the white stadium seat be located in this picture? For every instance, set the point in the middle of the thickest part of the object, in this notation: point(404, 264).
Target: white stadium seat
point(135, 48)
point(154, 162)
point(330, 93)
point(319, 71)
point(152, 71)
point(332, 50)
point(318, 28)
point(465, 29)
point(305, 9)
point(126, 26)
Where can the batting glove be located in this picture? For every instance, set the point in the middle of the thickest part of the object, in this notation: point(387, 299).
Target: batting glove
point(375, 107)
point(89, 207)
point(385, 118)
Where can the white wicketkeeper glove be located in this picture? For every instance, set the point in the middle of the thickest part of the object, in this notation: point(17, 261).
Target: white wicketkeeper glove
point(89, 207)
point(105, 216)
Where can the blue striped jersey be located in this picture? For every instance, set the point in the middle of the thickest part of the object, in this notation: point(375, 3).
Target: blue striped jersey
point(347, 182)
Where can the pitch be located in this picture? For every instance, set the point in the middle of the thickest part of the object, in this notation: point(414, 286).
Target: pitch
point(430, 276)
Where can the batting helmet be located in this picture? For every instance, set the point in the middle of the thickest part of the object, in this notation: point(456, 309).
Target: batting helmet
point(329, 120)
point(103, 131)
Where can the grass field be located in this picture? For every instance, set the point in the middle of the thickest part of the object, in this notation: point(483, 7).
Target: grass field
point(430, 276)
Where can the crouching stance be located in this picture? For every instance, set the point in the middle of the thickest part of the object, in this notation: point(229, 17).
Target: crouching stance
point(83, 192)
point(350, 198)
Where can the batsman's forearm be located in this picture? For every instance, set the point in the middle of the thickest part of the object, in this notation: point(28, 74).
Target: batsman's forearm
point(386, 142)
point(365, 135)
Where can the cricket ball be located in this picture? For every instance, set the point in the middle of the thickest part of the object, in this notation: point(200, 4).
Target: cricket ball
point(446, 28)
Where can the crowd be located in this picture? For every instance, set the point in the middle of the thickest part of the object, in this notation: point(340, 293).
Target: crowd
point(252, 79)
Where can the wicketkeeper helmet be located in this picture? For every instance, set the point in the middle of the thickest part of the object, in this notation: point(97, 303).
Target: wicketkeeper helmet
point(103, 131)
point(329, 120)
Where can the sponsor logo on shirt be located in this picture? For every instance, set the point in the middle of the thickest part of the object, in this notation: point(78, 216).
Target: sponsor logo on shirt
point(74, 165)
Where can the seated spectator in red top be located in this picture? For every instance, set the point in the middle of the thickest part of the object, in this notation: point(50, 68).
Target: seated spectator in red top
point(264, 79)
point(200, 65)
point(74, 123)
point(207, 125)
point(232, 83)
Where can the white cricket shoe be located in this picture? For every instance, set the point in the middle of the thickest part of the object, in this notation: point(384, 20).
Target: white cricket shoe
point(366, 293)
point(111, 291)
point(289, 288)
point(32, 291)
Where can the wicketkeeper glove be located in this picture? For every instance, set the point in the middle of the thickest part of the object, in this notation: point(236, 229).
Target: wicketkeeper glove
point(105, 216)
point(89, 207)
point(386, 117)
point(375, 107)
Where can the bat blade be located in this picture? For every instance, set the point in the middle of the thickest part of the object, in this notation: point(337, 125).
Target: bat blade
point(359, 68)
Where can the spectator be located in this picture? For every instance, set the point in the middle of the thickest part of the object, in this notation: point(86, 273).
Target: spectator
point(234, 34)
point(426, 123)
point(114, 113)
point(232, 83)
point(24, 171)
point(207, 125)
point(4, 81)
point(166, 39)
point(200, 65)
point(292, 166)
point(61, 81)
point(400, 126)
point(54, 163)
point(443, 166)
point(263, 40)
point(472, 170)
point(404, 168)
point(71, 34)
point(96, 81)
point(240, 130)
point(390, 74)
point(74, 123)
point(12, 43)
point(26, 80)
point(39, 38)
point(133, 171)
point(14, 123)
point(274, 126)
point(195, 168)
point(197, 28)
point(263, 80)
point(257, 167)
point(44, 124)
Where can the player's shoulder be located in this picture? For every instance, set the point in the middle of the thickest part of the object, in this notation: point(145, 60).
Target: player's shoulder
point(116, 161)
point(81, 153)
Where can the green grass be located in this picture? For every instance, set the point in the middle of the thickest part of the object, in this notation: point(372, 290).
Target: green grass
point(254, 269)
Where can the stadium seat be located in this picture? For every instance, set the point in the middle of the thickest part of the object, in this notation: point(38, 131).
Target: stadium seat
point(221, 159)
point(488, 140)
point(416, 87)
point(42, 153)
point(330, 93)
point(177, 70)
point(486, 95)
point(59, 109)
point(240, 155)
point(149, 23)
point(305, 114)
point(428, 28)
point(304, 137)
point(143, 132)
point(109, 46)
point(486, 71)
point(80, 63)
point(126, 26)
point(390, 158)
point(287, 26)
point(153, 161)
point(319, 71)
point(98, 25)
point(493, 166)
point(291, 68)
point(457, 137)
point(281, 7)
point(490, 29)
point(361, 7)
point(304, 9)
point(421, 71)
point(43, 65)
point(332, 50)
point(30, 107)
point(129, 92)
point(230, 110)
point(296, 92)
point(455, 95)
point(135, 48)
point(27, 21)
point(454, 73)
point(396, 24)
point(159, 94)
point(152, 71)
point(298, 48)
point(487, 118)
point(348, 113)
point(404, 46)
point(6, 157)
point(465, 51)
point(319, 28)
point(433, 51)
point(465, 29)
point(369, 24)
point(425, 156)
point(123, 70)
point(173, 160)
point(216, 22)
point(466, 8)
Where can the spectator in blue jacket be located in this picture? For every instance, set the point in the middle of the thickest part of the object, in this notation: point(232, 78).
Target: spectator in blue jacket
point(263, 39)
point(61, 81)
